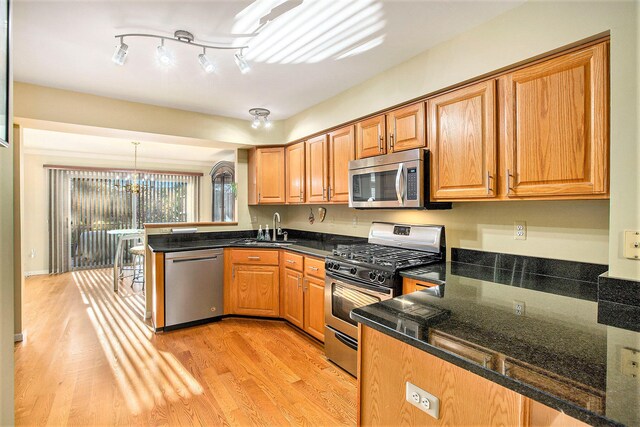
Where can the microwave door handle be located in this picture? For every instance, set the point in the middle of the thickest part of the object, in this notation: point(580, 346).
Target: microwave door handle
point(399, 190)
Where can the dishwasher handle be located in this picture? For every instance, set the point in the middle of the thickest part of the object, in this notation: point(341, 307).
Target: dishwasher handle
point(193, 259)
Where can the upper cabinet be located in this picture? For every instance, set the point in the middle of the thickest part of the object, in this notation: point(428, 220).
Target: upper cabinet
point(462, 139)
point(370, 137)
point(555, 126)
point(266, 172)
point(405, 128)
point(317, 176)
point(341, 151)
point(295, 176)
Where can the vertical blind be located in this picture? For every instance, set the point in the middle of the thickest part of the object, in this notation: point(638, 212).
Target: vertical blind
point(84, 205)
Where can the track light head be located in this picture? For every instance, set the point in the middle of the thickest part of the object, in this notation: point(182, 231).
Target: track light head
point(242, 63)
point(120, 54)
point(164, 55)
point(206, 63)
point(267, 123)
point(255, 123)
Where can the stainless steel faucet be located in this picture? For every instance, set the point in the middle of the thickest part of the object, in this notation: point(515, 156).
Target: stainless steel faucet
point(277, 231)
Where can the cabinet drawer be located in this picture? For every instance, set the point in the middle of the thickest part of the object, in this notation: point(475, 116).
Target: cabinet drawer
point(314, 267)
point(293, 261)
point(413, 285)
point(253, 256)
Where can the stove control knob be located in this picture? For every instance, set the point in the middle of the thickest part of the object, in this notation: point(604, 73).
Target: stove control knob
point(329, 265)
point(336, 266)
point(372, 275)
point(353, 270)
point(381, 277)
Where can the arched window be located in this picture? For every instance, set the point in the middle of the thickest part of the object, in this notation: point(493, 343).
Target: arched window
point(223, 188)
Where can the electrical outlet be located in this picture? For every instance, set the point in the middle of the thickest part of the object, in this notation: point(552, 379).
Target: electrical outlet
point(518, 308)
point(520, 230)
point(33, 253)
point(632, 244)
point(630, 362)
point(423, 400)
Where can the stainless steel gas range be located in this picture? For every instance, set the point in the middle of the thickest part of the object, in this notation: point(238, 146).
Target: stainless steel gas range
point(363, 274)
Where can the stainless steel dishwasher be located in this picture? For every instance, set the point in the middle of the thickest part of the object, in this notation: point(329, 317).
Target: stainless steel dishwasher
point(193, 289)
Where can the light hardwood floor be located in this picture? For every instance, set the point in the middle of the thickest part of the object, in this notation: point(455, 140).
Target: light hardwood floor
point(89, 359)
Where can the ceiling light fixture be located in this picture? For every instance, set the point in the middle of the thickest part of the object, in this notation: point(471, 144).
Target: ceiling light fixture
point(120, 54)
point(242, 63)
point(165, 57)
point(260, 118)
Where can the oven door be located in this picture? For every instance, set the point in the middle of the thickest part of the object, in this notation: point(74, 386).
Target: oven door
point(396, 185)
point(342, 297)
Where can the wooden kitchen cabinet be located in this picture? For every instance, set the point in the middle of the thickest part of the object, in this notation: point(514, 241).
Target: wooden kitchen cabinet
point(555, 126)
point(303, 293)
point(317, 169)
point(341, 151)
point(463, 143)
point(267, 176)
point(252, 282)
point(386, 365)
point(405, 128)
point(293, 297)
point(371, 137)
point(413, 285)
point(295, 173)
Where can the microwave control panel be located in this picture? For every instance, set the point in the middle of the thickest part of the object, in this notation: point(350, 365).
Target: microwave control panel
point(412, 183)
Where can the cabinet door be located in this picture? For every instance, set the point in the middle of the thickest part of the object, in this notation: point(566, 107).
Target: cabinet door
point(317, 169)
point(295, 173)
point(293, 298)
point(555, 126)
point(341, 151)
point(270, 175)
point(405, 128)
point(462, 140)
point(314, 307)
point(370, 137)
point(255, 290)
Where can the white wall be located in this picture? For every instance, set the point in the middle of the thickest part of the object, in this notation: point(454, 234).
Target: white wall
point(521, 33)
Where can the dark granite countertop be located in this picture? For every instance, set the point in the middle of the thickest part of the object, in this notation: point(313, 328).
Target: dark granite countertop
point(308, 243)
point(558, 337)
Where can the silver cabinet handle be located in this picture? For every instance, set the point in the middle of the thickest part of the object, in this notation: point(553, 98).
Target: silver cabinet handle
point(290, 261)
point(313, 268)
point(323, 192)
point(391, 141)
point(399, 191)
point(298, 277)
point(259, 197)
point(329, 194)
point(509, 180)
point(254, 258)
point(488, 185)
point(304, 285)
point(380, 141)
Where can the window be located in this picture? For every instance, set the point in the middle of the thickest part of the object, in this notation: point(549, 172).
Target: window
point(223, 189)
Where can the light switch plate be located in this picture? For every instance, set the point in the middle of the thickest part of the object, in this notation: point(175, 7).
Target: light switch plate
point(520, 230)
point(632, 244)
point(423, 400)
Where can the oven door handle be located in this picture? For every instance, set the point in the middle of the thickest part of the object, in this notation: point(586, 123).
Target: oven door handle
point(399, 189)
point(348, 341)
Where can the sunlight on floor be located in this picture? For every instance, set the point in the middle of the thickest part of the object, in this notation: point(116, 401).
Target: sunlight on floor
point(146, 376)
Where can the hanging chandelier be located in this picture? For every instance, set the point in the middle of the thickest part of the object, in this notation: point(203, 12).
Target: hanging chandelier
point(165, 56)
point(133, 186)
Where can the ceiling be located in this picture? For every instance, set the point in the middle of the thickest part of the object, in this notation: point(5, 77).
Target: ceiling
point(45, 142)
point(310, 53)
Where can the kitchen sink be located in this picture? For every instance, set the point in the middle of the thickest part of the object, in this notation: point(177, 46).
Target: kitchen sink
point(265, 243)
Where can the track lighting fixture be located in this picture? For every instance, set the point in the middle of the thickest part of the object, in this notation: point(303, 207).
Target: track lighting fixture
point(242, 64)
point(260, 118)
point(120, 54)
point(165, 57)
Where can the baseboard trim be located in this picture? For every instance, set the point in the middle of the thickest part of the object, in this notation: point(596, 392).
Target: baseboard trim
point(35, 273)
point(19, 337)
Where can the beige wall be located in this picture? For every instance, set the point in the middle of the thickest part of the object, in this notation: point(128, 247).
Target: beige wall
point(6, 286)
point(60, 106)
point(529, 30)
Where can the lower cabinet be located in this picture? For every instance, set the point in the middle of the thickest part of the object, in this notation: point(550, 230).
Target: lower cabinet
point(293, 304)
point(412, 285)
point(385, 366)
point(252, 287)
point(314, 307)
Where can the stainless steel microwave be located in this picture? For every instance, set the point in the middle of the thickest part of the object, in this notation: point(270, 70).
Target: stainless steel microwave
point(392, 181)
